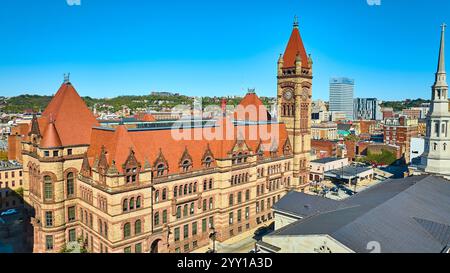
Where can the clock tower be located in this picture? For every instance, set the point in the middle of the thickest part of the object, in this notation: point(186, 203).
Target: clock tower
point(294, 103)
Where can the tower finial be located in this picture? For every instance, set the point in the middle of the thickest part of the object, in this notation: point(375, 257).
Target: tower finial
point(295, 21)
point(67, 78)
point(441, 62)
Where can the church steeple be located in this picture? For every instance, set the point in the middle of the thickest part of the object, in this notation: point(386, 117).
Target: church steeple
point(441, 75)
point(436, 156)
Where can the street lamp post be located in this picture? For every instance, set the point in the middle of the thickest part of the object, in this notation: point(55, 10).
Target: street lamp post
point(212, 236)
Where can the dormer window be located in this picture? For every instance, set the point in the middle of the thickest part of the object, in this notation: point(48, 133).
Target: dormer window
point(186, 165)
point(55, 153)
point(208, 162)
point(131, 175)
point(160, 166)
point(46, 153)
point(69, 152)
point(160, 170)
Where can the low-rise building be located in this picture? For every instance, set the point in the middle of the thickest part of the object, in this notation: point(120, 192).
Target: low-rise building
point(399, 131)
point(320, 166)
point(410, 215)
point(324, 130)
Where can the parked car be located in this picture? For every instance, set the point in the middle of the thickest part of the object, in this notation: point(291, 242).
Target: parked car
point(9, 212)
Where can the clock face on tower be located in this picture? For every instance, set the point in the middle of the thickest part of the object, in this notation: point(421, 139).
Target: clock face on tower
point(288, 95)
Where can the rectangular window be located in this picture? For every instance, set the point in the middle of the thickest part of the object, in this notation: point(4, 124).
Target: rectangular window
point(186, 248)
point(49, 242)
point(55, 153)
point(138, 248)
point(194, 244)
point(69, 152)
point(46, 153)
point(211, 222)
point(204, 225)
point(48, 219)
point(186, 231)
point(239, 216)
point(164, 217)
point(230, 218)
point(177, 234)
point(247, 213)
point(194, 229)
point(127, 249)
point(71, 214)
point(72, 235)
point(48, 191)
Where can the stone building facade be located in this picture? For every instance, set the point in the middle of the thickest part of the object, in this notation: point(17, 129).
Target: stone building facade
point(122, 189)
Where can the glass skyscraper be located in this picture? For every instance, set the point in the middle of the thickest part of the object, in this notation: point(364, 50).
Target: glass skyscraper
point(341, 96)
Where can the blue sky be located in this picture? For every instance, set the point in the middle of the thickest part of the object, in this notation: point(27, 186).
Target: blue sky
point(114, 47)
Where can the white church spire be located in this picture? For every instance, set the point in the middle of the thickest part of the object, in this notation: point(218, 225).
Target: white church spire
point(436, 157)
point(441, 75)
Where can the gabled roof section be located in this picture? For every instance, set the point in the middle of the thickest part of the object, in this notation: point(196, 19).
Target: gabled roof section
point(251, 108)
point(295, 48)
point(73, 119)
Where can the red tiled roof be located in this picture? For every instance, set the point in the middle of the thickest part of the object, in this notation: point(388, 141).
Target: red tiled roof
point(73, 119)
point(145, 117)
point(295, 47)
point(251, 108)
point(50, 138)
point(147, 144)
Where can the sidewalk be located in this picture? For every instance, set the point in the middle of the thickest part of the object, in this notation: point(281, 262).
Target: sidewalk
point(238, 244)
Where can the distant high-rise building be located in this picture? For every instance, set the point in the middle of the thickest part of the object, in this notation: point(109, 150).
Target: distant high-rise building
point(341, 96)
point(367, 109)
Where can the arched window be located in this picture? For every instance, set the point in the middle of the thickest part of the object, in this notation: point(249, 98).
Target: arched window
point(125, 205)
point(247, 195)
point(70, 185)
point(131, 203)
point(156, 217)
point(185, 210)
point(106, 229)
point(195, 187)
point(445, 146)
point(210, 184)
point(205, 185)
point(156, 196)
point(137, 227)
point(211, 205)
point(48, 188)
point(180, 193)
point(208, 162)
point(190, 188)
point(186, 165)
point(179, 212)
point(192, 208)
point(185, 192)
point(138, 202)
point(435, 146)
point(164, 194)
point(160, 169)
point(175, 191)
point(204, 205)
point(126, 231)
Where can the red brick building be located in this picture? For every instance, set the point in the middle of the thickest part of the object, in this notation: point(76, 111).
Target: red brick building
point(399, 131)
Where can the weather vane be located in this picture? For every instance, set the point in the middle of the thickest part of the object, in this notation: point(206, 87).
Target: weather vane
point(66, 78)
point(295, 21)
